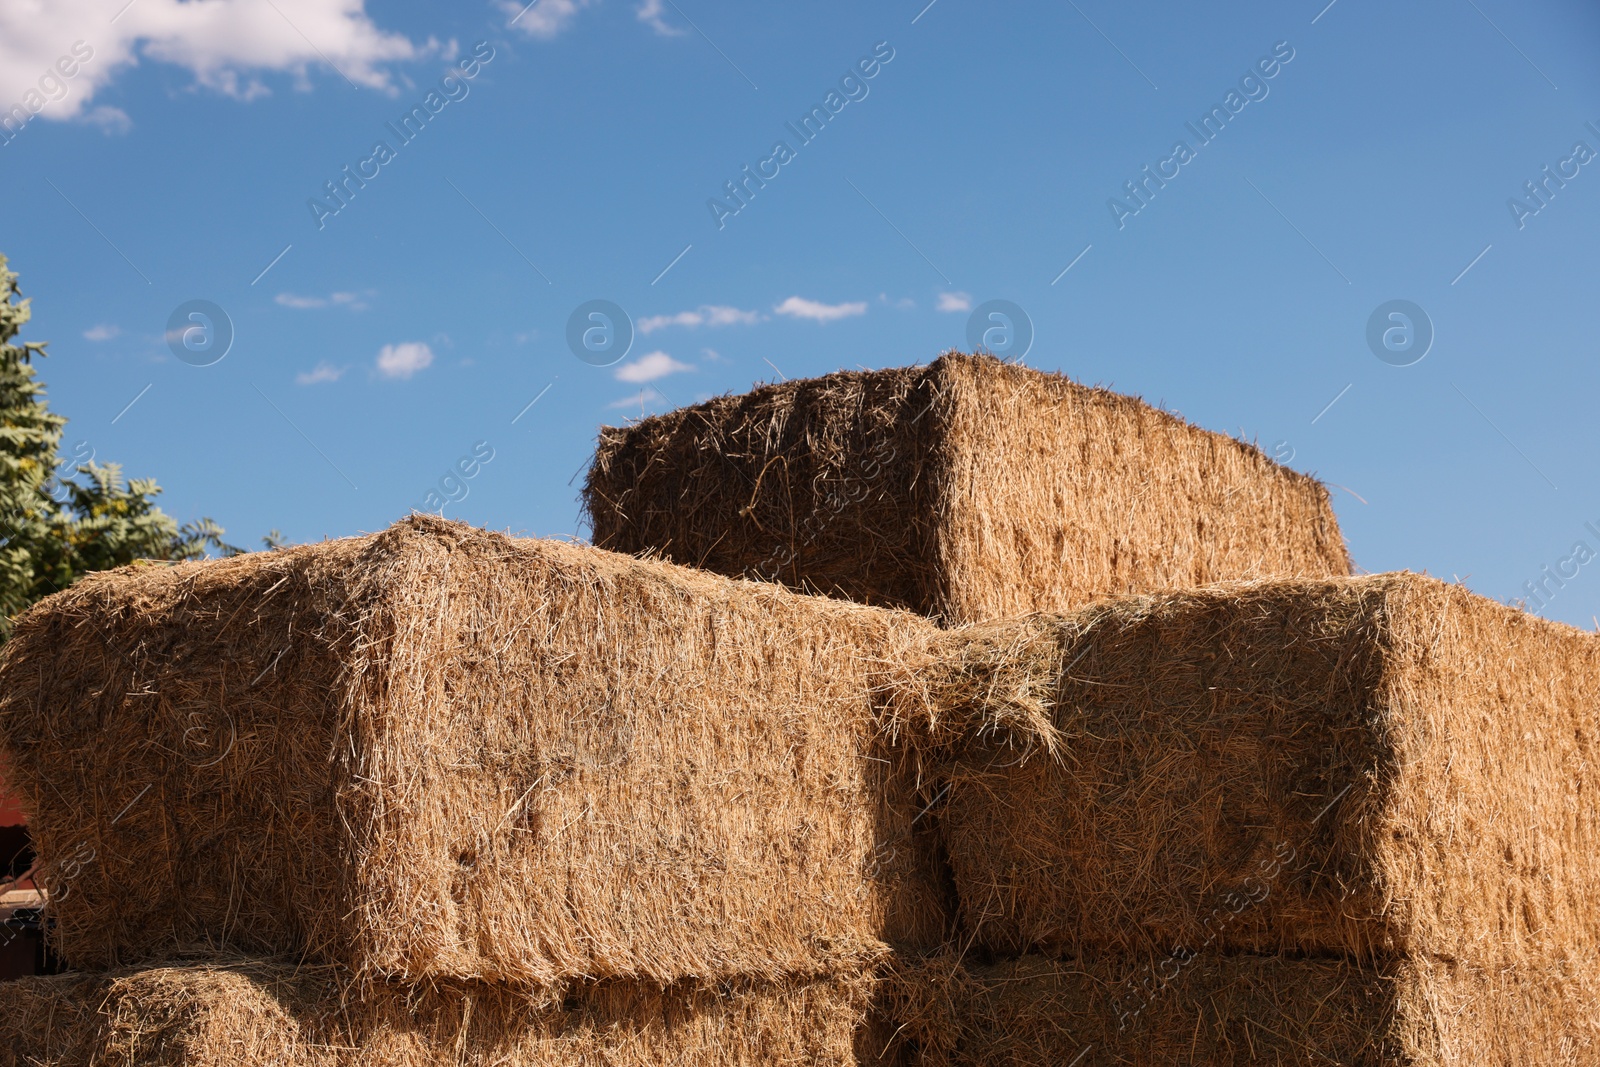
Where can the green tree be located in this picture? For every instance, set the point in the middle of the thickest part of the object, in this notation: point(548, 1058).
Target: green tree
point(60, 519)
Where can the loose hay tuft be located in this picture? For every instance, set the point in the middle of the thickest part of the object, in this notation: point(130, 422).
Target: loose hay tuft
point(439, 752)
point(1362, 766)
point(969, 489)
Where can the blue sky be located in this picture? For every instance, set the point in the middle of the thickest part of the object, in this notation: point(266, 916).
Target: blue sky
point(977, 163)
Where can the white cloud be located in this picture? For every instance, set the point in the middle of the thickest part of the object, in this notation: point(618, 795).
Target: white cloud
point(645, 397)
point(227, 45)
point(801, 308)
point(904, 303)
point(102, 332)
point(955, 302)
point(726, 316)
point(648, 368)
point(649, 13)
point(353, 301)
point(705, 315)
point(404, 359)
point(542, 18)
point(652, 323)
point(322, 372)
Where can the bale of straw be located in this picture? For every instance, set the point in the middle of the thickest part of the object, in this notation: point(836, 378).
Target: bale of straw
point(1359, 766)
point(1221, 1010)
point(968, 489)
point(254, 1013)
point(236, 1014)
point(439, 752)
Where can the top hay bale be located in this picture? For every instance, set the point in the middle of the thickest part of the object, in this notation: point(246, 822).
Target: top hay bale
point(969, 489)
point(438, 752)
point(1374, 767)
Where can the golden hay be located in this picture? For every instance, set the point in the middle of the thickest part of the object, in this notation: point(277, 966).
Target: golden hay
point(1360, 766)
point(969, 489)
point(441, 752)
point(1217, 1011)
point(244, 1013)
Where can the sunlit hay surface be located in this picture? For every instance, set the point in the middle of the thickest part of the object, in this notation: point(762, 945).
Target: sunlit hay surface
point(243, 1013)
point(442, 752)
point(969, 489)
point(1357, 766)
point(1221, 1011)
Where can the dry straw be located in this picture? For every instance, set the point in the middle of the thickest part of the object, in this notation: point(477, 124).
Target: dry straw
point(1368, 767)
point(243, 1013)
point(1221, 1011)
point(438, 752)
point(968, 489)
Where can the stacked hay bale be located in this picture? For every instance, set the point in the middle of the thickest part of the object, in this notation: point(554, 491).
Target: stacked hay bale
point(1351, 820)
point(966, 490)
point(1227, 1009)
point(252, 1013)
point(514, 802)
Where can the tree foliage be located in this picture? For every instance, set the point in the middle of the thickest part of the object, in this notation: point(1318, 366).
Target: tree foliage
point(61, 518)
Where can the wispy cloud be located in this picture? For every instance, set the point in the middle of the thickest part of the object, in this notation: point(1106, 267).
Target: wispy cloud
point(353, 301)
point(800, 308)
point(704, 315)
point(404, 359)
point(652, 323)
point(955, 302)
point(649, 367)
point(649, 13)
point(102, 332)
point(109, 119)
point(644, 398)
point(322, 372)
point(543, 19)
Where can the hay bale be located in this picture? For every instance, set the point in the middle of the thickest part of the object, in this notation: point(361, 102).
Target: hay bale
point(1361, 766)
point(237, 1014)
point(439, 752)
point(968, 489)
point(251, 1013)
point(1218, 1011)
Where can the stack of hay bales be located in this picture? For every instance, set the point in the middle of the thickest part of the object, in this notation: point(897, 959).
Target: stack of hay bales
point(1294, 817)
point(457, 796)
point(439, 795)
